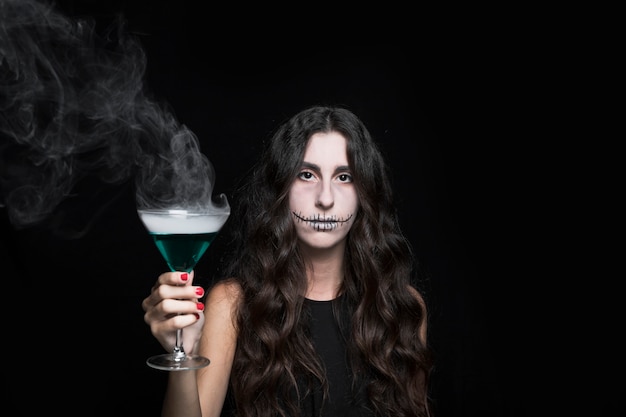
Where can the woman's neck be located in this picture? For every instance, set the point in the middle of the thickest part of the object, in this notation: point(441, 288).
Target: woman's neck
point(324, 275)
point(324, 271)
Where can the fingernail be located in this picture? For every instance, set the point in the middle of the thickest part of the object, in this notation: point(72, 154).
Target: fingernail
point(197, 316)
point(200, 306)
point(184, 276)
point(199, 291)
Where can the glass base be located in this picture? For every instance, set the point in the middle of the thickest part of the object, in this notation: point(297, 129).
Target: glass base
point(173, 362)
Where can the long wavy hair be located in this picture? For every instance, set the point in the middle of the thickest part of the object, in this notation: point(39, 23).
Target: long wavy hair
point(274, 351)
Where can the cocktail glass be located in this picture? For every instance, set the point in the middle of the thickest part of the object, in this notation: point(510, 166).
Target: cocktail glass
point(182, 237)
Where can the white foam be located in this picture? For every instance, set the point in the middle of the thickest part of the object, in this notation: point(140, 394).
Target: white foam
point(181, 222)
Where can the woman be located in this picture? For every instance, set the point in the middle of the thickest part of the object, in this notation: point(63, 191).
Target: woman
point(318, 317)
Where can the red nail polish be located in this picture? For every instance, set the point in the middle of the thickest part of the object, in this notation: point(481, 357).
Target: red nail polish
point(197, 316)
point(199, 291)
point(200, 306)
point(184, 276)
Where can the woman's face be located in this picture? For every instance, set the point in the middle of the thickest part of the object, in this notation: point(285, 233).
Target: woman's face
point(323, 200)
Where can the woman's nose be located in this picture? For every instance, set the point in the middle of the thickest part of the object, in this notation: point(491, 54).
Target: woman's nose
point(325, 198)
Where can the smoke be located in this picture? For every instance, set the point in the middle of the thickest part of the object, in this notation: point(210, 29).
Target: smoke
point(74, 104)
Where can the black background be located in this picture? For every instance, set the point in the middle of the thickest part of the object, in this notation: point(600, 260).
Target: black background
point(456, 113)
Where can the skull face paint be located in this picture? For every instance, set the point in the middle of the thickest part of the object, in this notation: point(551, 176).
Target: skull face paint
point(323, 199)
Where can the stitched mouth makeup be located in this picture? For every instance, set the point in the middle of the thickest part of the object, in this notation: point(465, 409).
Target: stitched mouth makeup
point(322, 223)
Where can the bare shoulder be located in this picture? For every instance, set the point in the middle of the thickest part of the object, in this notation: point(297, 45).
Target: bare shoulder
point(221, 305)
point(227, 288)
point(224, 294)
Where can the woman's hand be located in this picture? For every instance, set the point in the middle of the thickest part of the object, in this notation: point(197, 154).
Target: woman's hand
point(174, 304)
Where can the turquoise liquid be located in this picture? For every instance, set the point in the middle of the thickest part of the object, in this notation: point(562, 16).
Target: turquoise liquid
point(182, 251)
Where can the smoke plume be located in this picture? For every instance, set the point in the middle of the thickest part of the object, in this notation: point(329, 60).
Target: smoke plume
point(74, 104)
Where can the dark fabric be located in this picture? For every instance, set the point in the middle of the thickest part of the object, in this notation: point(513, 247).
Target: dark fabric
point(331, 347)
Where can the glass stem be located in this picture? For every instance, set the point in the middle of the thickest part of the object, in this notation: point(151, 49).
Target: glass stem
point(179, 352)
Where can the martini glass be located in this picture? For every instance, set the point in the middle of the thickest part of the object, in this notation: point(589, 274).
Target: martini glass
point(182, 237)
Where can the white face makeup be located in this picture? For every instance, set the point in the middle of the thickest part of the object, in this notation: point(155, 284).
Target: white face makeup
point(323, 200)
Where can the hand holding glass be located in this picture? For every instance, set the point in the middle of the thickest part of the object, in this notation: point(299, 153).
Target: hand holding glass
point(182, 237)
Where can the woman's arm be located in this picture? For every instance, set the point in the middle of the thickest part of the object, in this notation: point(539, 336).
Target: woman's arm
point(218, 343)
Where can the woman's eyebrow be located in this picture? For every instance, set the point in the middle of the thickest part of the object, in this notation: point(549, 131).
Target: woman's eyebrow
point(311, 166)
point(315, 167)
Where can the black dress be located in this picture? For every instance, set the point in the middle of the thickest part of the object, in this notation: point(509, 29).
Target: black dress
point(331, 347)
